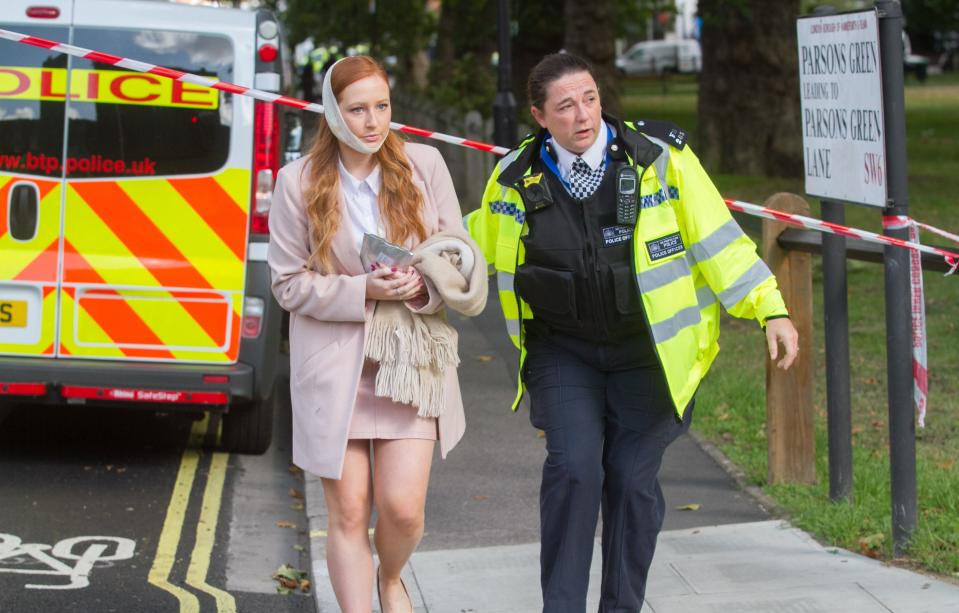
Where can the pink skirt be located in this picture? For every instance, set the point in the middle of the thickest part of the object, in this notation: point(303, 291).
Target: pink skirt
point(376, 417)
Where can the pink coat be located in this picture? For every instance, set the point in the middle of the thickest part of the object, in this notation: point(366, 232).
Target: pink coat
point(329, 314)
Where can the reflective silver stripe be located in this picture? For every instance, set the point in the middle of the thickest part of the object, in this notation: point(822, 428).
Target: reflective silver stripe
point(722, 237)
point(654, 278)
point(504, 283)
point(507, 159)
point(746, 282)
point(705, 296)
point(667, 329)
point(662, 161)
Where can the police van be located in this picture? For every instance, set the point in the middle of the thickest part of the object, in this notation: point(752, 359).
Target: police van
point(133, 212)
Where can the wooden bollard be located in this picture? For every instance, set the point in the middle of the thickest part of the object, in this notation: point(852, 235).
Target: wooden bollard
point(791, 435)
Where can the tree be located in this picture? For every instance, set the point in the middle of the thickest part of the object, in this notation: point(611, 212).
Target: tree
point(590, 34)
point(463, 75)
point(399, 28)
point(538, 33)
point(749, 108)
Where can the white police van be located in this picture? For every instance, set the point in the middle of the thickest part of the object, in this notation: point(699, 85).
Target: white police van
point(133, 212)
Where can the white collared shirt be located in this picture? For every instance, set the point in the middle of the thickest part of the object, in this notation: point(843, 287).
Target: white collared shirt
point(594, 157)
point(362, 208)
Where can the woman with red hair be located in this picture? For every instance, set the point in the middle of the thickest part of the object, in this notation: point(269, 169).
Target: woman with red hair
point(360, 178)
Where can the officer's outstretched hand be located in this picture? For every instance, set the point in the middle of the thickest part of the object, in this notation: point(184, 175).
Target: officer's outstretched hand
point(782, 331)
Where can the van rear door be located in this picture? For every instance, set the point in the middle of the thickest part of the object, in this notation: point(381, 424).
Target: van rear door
point(31, 176)
point(157, 187)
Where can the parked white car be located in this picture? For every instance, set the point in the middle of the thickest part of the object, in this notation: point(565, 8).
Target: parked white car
point(661, 56)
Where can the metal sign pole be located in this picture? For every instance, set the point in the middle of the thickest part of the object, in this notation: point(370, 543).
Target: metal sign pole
point(902, 425)
point(836, 324)
point(836, 328)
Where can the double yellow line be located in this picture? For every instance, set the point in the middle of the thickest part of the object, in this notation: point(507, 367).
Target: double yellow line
point(205, 530)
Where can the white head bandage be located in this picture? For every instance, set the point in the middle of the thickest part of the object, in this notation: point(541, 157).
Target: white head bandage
point(334, 119)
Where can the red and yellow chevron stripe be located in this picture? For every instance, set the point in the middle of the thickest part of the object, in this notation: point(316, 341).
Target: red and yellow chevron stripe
point(32, 265)
point(154, 269)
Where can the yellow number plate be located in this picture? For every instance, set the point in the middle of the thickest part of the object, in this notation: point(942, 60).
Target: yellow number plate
point(13, 313)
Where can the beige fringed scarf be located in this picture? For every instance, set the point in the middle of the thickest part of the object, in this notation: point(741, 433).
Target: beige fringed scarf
point(414, 350)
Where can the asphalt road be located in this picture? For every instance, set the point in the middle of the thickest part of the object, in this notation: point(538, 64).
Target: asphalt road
point(124, 510)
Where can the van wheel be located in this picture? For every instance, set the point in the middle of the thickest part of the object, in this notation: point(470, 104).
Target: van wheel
point(248, 426)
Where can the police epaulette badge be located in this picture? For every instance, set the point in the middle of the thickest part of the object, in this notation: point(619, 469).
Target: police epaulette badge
point(663, 130)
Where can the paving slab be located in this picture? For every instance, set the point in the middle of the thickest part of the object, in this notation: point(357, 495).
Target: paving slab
point(831, 599)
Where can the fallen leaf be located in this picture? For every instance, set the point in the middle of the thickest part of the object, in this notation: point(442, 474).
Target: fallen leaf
point(304, 585)
point(485, 358)
point(289, 578)
point(285, 524)
point(294, 469)
point(870, 545)
point(297, 507)
point(540, 434)
point(480, 498)
point(293, 573)
point(289, 583)
point(295, 493)
point(689, 507)
point(299, 548)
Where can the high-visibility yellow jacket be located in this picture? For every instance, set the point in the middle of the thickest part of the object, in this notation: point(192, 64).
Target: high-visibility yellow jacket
point(682, 282)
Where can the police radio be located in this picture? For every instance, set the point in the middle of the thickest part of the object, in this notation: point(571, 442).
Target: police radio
point(627, 196)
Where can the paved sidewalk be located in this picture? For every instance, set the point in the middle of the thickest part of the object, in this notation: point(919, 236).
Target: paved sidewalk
point(757, 567)
point(480, 553)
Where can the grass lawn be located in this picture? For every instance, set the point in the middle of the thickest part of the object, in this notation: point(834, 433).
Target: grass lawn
point(732, 409)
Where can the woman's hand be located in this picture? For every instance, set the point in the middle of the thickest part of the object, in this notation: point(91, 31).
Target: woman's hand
point(388, 284)
point(781, 330)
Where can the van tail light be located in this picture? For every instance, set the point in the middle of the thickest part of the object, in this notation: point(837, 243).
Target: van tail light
point(268, 53)
point(266, 161)
point(252, 317)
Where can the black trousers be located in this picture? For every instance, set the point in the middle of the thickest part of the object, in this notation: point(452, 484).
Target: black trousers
point(608, 419)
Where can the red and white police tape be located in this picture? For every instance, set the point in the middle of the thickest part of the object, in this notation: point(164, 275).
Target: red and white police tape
point(951, 258)
point(920, 371)
point(178, 75)
point(186, 77)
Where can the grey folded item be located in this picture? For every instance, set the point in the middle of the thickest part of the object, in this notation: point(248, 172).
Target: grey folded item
point(377, 250)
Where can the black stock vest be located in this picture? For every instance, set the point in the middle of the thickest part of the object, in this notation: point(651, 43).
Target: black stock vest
point(578, 275)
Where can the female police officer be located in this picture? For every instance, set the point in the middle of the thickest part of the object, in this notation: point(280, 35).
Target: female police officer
point(613, 251)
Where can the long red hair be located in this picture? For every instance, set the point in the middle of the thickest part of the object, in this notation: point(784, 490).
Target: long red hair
point(400, 201)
